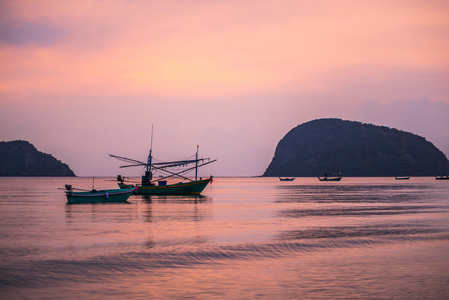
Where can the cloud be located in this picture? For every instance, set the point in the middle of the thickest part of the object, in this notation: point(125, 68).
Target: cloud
point(21, 33)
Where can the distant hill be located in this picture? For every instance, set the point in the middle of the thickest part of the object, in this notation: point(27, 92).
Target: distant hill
point(20, 158)
point(355, 149)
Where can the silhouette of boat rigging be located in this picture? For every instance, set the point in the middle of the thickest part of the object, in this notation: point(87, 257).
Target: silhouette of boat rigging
point(148, 186)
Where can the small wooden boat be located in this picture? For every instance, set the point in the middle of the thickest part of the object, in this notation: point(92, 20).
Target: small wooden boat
point(402, 177)
point(286, 179)
point(442, 177)
point(169, 170)
point(330, 177)
point(94, 196)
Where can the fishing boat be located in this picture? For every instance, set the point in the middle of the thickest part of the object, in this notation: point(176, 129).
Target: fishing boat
point(402, 177)
point(442, 177)
point(330, 177)
point(286, 178)
point(148, 186)
point(194, 187)
point(97, 196)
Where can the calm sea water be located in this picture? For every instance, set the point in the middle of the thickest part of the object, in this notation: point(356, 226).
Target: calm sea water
point(247, 238)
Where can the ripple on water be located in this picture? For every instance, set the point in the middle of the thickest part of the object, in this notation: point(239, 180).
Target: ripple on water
point(55, 271)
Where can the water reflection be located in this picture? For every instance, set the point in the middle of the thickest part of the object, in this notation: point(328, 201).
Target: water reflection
point(351, 193)
point(175, 221)
point(359, 211)
point(331, 215)
point(406, 230)
point(99, 212)
point(174, 198)
point(171, 221)
point(255, 240)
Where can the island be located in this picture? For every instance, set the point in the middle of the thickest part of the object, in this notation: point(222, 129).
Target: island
point(354, 149)
point(21, 158)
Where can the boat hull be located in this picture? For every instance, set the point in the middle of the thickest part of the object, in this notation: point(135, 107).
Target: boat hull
point(402, 178)
point(182, 188)
point(286, 179)
point(330, 178)
point(442, 177)
point(103, 196)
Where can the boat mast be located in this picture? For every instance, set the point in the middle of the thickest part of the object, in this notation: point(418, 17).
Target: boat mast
point(146, 179)
point(151, 148)
point(196, 163)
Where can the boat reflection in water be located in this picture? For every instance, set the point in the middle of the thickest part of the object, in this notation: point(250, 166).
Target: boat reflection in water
point(173, 198)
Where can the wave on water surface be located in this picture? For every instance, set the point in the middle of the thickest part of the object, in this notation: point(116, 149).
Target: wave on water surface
point(286, 244)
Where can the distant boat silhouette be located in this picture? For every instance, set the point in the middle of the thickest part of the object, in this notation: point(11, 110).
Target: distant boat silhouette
point(331, 177)
point(402, 177)
point(442, 177)
point(286, 179)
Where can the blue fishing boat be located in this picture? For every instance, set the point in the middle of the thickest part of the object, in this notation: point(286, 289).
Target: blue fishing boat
point(97, 196)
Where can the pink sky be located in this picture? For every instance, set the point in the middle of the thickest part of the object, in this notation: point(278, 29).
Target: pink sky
point(81, 79)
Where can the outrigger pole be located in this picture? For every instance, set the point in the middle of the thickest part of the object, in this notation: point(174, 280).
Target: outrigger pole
point(181, 172)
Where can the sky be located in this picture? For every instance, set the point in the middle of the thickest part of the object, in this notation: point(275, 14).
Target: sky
point(83, 79)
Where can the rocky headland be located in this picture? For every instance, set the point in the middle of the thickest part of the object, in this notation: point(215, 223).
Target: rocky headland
point(21, 158)
point(354, 149)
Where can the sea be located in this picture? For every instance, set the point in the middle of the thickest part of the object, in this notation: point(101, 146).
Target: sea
point(244, 238)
